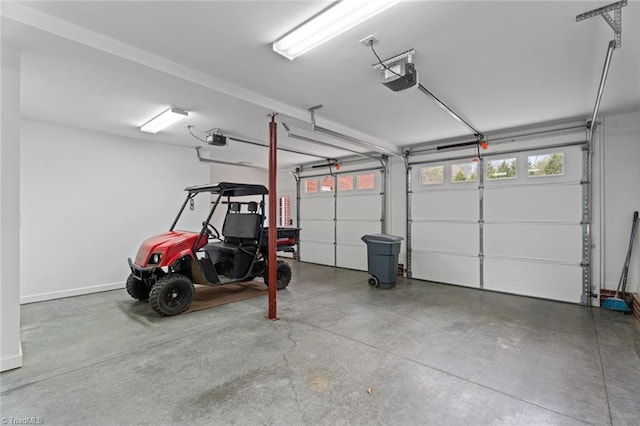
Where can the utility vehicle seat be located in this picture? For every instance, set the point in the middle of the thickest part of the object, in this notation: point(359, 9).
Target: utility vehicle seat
point(241, 233)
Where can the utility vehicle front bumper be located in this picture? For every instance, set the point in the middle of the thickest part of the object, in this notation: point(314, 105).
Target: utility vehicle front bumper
point(141, 272)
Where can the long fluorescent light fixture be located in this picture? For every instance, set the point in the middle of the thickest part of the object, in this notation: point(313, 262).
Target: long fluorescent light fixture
point(164, 120)
point(334, 20)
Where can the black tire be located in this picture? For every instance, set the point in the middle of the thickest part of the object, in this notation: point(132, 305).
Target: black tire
point(283, 273)
point(137, 289)
point(171, 295)
point(373, 282)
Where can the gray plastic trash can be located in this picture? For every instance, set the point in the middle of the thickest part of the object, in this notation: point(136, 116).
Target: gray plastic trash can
point(382, 259)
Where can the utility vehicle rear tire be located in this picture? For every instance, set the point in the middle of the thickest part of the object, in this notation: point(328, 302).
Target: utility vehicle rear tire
point(137, 289)
point(171, 295)
point(283, 274)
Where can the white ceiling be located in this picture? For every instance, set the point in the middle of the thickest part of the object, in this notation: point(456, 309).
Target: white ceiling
point(109, 66)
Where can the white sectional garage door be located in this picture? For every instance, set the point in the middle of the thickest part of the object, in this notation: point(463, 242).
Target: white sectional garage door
point(444, 227)
point(531, 240)
point(532, 232)
point(335, 212)
point(359, 210)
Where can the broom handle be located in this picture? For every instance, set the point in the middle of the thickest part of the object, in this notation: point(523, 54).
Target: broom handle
point(627, 260)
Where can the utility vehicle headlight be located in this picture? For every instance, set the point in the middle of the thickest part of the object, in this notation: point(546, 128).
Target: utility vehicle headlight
point(155, 258)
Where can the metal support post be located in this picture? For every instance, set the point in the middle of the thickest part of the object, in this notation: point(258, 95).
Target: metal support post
point(335, 220)
point(409, 221)
point(296, 176)
point(481, 218)
point(273, 212)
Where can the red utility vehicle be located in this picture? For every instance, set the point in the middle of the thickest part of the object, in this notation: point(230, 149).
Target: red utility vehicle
point(168, 265)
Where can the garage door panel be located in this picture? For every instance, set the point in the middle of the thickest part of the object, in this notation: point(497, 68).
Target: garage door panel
point(446, 267)
point(352, 257)
point(316, 252)
point(358, 212)
point(549, 203)
point(317, 208)
point(537, 279)
point(317, 230)
point(351, 232)
point(446, 236)
point(441, 205)
point(561, 243)
point(359, 206)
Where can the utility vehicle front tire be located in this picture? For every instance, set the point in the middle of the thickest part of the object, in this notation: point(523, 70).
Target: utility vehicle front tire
point(137, 289)
point(171, 295)
point(283, 273)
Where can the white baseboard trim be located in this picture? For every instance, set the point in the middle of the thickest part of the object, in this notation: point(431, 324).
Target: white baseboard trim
point(11, 362)
point(69, 293)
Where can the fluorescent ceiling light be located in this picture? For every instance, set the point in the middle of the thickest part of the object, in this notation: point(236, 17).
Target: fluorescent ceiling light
point(164, 120)
point(329, 23)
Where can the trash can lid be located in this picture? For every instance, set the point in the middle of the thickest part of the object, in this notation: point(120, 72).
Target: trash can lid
point(381, 238)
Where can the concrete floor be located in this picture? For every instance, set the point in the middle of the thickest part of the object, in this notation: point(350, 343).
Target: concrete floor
point(430, 353)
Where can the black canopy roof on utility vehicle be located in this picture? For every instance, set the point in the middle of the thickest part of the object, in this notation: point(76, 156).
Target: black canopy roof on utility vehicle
point(229, 189)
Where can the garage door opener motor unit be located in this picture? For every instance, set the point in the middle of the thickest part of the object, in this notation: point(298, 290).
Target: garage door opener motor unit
point(398, 73)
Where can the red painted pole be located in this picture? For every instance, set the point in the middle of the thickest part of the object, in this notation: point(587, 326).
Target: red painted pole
point(273, 203)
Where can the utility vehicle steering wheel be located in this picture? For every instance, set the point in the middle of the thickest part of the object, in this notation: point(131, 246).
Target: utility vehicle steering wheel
point(212, 232)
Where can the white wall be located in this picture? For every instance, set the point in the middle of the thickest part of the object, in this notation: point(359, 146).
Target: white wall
point(621, 196)
point(88, 200)
point(10, 349)
point(227, 173)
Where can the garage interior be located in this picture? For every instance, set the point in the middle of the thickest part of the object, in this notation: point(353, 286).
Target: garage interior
point(509, 167)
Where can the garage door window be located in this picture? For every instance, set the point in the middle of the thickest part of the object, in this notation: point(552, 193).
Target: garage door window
point(466, 172)
point(367, 181)
point(546, 164)
point(328, 183)
point(345, 183)
point(311, 186)
point(504, 168)
point(432, 175)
